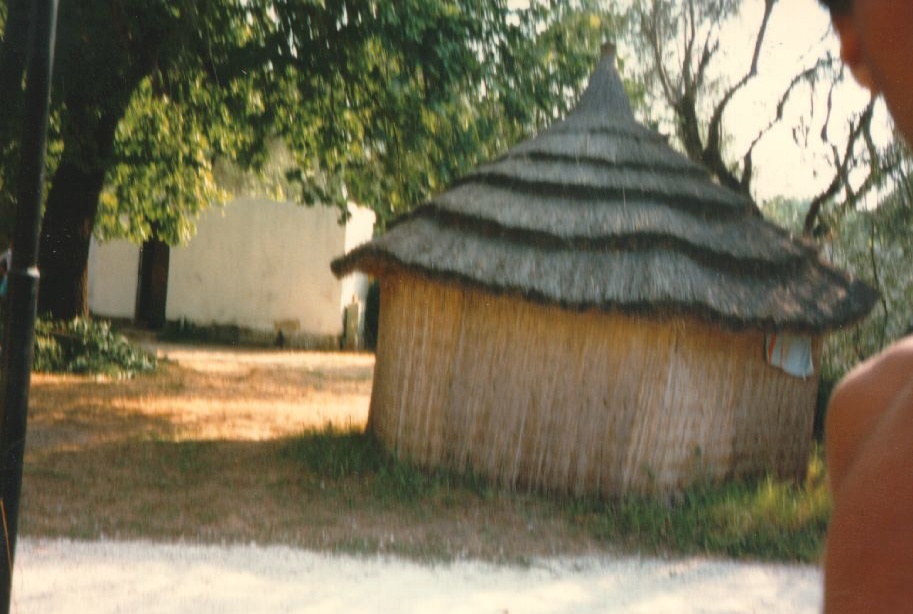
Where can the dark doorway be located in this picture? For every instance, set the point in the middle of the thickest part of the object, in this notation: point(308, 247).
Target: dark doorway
point(152, 290)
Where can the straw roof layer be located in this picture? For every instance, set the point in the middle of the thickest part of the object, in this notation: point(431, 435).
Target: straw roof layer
point(598, 212)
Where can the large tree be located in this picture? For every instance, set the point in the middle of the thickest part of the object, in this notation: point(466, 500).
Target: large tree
point(377, 101)
point(105, 52)
point(682, 47)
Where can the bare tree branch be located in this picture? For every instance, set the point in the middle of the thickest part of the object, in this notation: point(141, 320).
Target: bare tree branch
point(689, 35)
point(650, 28)
point(841, 171)
point(762, 33)
point(692, 28)
point(713, 149)
point(876, 277)
point(803, 76)
point(707, 54)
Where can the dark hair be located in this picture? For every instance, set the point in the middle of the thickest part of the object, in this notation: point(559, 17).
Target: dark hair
point(838, 6)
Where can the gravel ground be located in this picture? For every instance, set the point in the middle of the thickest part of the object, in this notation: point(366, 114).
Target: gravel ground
point(105, 577)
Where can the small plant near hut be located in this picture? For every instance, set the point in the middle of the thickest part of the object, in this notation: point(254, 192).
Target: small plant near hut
point(87, 346)
point(762, 519)
point(338, 454)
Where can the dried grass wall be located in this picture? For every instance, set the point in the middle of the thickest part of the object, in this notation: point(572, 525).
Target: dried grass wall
point(591, 402)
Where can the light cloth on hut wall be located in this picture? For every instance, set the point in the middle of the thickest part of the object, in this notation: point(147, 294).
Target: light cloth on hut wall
point(791, 353)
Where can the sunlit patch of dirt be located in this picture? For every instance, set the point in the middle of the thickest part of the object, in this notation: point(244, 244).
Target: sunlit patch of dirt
point(199, 451)
point(203, 395)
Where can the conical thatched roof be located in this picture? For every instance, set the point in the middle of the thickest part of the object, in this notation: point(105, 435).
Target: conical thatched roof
point(598, 212)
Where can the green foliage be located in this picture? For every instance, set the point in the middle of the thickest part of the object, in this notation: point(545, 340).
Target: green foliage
point(379, 102)
point(383, 103)
point(163, 176)
point(762, 519)
point(766, 519)
point(340, 454)
point(876, 245)
point(87, 346)
point(430, 90)
point(786, 213)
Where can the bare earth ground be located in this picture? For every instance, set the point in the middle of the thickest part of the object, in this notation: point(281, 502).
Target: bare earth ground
point(198, 452)
point(175, 492)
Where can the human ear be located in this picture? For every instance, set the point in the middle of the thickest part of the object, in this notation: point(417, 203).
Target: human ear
point(851, 51)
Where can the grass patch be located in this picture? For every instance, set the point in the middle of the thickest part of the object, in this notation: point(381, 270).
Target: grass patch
point(764, 519)
point(335, 454)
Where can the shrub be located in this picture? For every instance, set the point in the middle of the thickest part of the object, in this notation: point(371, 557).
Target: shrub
point(87, 346)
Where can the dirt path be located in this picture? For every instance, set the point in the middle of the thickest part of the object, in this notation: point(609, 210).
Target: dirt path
point(61, 577)
point(258, 394)
point(209, 450)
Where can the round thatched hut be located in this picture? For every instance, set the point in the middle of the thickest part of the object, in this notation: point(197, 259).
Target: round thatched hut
point(591, 313)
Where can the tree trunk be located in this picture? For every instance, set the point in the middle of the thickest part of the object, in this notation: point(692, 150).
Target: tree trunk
point(100, 71)
point(63, 260)
point(12, 67)
point(69, 214)
point(13, 46)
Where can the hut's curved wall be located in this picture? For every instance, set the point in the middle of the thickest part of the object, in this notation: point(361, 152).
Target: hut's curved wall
point(581, 402)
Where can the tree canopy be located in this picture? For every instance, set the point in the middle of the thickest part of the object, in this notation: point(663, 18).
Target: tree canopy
point(378, 102)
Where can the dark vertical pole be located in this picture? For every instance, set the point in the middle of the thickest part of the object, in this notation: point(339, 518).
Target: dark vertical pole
point(23, 284)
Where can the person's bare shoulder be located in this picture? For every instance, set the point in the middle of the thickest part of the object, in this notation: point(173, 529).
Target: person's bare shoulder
point(859, 401)
point(869, 558)
point(898, 354)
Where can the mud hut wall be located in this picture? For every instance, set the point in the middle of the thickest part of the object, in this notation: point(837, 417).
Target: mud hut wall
point(417, 338)
point(537, 396)
point(783, 442)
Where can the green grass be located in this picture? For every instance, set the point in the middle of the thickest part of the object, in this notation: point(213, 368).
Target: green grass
point(762, 519)
point(337, 454)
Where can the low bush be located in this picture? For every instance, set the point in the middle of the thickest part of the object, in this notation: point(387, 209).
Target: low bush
point(87, 346)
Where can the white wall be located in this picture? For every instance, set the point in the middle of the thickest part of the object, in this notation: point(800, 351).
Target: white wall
point(359, 229)
point(113, 277)
point(254, 264)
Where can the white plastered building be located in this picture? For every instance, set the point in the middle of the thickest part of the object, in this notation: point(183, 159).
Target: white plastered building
point(257, 270)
